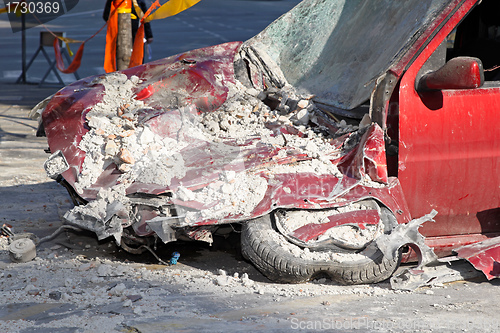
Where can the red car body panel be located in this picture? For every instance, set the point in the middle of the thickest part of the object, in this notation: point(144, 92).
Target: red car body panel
point(483, 256)
point(449, 138)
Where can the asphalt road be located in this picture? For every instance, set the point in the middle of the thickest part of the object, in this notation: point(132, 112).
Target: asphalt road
point(210, 22)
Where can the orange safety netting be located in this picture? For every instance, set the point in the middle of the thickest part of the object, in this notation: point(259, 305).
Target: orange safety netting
point(75, 63)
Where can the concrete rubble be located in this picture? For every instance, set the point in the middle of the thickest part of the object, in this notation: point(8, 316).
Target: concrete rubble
point(119, 135)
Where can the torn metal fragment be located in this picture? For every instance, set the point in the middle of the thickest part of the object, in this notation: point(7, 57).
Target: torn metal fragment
point(199, 234)
point(484, 256)
point(161, 226)
point(405, 234)
point(411, 279)
point(101, 227)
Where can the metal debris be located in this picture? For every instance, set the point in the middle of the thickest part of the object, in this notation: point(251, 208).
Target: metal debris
point(483, 256)
point(433, 275)
point(22, 250)
point(405, 234)
point(56, 164)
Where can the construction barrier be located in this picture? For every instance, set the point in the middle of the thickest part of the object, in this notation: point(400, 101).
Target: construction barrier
point(170, 8)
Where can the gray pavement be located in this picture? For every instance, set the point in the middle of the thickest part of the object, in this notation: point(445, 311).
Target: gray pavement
point(21, 164)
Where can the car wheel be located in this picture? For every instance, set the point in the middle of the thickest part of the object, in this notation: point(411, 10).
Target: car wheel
point(281, 261)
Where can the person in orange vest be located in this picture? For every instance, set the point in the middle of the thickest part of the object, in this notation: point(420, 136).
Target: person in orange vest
point(138, 9)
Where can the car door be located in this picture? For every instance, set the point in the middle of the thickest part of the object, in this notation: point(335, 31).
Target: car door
point(449, 146)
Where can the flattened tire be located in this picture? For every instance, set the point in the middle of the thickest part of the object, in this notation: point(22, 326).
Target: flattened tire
point(260, 245)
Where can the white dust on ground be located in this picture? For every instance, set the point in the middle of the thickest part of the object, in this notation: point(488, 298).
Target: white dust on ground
point(58, 276)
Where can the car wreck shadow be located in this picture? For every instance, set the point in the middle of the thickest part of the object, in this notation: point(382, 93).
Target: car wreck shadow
point(38, 208)
point(18, 120)
point(489, 219)
point(224, 253)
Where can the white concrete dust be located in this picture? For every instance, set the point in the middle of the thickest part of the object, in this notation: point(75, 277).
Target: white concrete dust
point(236, 196)
point(247, 120)
point(349, 235)
point(104, 293)
point(244, 116)
point(116, 136)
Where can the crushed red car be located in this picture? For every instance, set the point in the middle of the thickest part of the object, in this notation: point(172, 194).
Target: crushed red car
point(346, 137)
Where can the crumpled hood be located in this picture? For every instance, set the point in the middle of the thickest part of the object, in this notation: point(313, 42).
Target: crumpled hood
point(182, 136)
point(194, 78)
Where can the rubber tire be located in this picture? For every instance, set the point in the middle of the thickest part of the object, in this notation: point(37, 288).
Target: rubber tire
point(279, 265)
